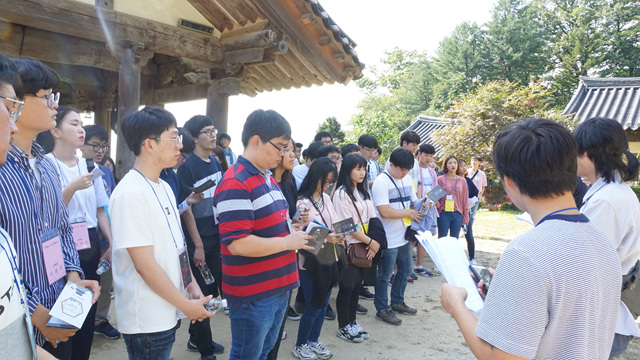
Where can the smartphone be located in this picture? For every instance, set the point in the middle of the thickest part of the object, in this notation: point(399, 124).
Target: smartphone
point(482, 273)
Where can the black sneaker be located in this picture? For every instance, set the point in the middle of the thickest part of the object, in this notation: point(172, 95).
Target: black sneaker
point(105, 329)
point(292, 314)
point(413, 276)
point(402, 308)
point(361, 310)
point(330, 315)
point(217, 348)
point(389, 317)
point(366, 294)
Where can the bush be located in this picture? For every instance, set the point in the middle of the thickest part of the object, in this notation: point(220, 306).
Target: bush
point(508, 206)
point(636, 189)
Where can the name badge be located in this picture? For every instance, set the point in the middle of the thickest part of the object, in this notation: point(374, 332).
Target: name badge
point(185, 269)
point(52, 254)
point(406, 221)
point(289, 225)
point(81, 235)
point(449, 204)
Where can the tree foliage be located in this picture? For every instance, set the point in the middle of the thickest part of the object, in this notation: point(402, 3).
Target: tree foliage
point(333, 127)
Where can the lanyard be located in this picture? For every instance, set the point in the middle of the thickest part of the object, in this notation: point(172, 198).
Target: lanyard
point(397, 188)
point(455, 185)
point(38, 217)
point(555, 212)
point(269, 189)
point(165, 214)
point(12, 262)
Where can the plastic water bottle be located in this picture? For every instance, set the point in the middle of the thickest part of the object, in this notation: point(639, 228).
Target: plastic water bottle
point(301, 208)
point(214, 305)
point(103, 267)
point(206, 274)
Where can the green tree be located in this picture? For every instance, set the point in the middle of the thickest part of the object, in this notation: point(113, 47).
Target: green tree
point(333, 127)
point(378, 124)
point(622, 42)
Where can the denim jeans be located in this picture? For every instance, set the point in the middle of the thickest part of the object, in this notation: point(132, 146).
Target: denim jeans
point(403, 257)
point(255, 326)
point(449, 222)
point(312, 317)
point(151, 346)
point(471, 242)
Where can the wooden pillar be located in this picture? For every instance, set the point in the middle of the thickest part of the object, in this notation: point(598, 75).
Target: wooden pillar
point(218, 101)
point(131, 57)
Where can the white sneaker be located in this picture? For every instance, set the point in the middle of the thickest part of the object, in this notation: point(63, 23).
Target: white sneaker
point(473, 262)
point(303, 352)
point(320, 351)
point(349, 333)
point(363, 334)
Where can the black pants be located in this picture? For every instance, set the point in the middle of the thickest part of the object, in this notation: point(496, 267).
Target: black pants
point(200, 331)
point(89, 258)
point(349, 283)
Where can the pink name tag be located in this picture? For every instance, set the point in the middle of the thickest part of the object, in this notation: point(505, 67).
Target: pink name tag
point(53, 259)
point(81, 236)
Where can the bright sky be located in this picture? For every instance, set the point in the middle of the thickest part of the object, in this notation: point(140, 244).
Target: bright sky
point(376, 26)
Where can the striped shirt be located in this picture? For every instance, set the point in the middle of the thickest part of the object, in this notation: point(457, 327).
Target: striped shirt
point(250, 203)
point(29, 208)
point(555, 293)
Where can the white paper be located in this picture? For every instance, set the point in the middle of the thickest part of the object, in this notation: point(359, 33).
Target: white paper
point(452, 262)
point(71, 307)
point(96, 173)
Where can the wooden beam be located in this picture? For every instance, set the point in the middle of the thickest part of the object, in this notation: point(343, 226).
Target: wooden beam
point(259, 25)
point(324, 40)
point(81, 20)
point(213, 13)
point(282, 16)
point(176, 94)
point(244, 56)
point(262, 38)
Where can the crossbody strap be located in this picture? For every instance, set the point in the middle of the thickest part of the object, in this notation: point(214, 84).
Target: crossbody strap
point(397, 188)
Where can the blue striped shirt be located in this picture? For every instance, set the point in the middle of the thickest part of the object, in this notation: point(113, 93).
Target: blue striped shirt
point(18, 217)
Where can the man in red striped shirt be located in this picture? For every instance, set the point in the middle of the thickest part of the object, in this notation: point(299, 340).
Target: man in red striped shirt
point(257, 242)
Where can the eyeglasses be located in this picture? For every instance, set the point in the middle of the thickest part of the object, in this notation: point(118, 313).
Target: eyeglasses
point(280, 150)
point(98, 147)
point(335, 158)
point(51, 98)
point(210, 133)
point(14, 114)
point(177, 139)
point(368, 149)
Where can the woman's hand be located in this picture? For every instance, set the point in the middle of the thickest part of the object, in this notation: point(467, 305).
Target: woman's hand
point(80, 182)
point(374, 246)
point(335, 238)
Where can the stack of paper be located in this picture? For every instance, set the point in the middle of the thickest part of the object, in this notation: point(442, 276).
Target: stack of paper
point(452, 262)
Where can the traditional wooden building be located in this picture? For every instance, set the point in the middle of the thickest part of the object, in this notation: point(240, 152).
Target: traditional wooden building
point(425, 125)
point(115, 55)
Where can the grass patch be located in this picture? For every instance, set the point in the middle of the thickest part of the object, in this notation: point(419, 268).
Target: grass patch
point(499, 225)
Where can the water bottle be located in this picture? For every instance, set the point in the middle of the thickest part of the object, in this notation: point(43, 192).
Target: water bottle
point(214, 305)
point(103, 267)
point(206, 274)
point(301, 208)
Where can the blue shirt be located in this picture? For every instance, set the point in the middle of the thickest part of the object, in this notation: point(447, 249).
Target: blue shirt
point(171, 178)
point(28, 208)
point(108, 179)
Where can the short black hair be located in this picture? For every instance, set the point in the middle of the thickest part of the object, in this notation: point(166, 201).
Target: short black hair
point(402, 158)
point(97, 131)
point(427, 149)
point(304, 153)
point(224, 136)
point(313, 151)
point(348, 149)
point(379, 150)
point(322, 134)
point(539, 155)
point(299, 145)
point(196, 123)
point(9, 76)
point(267, 124)
point(188, 145)
point(410, 136)
point(368, 140)
point(148, 123)
point(605, 141)
point(327, 149)
point(35, 75)
point(477, 158)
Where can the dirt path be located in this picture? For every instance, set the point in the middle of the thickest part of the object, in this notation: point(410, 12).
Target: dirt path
point(431, 334)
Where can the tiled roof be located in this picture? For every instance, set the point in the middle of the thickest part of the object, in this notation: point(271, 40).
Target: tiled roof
point(614, 98)
point(424, 125)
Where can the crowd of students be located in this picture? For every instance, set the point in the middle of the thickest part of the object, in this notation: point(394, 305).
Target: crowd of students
point(173, 248)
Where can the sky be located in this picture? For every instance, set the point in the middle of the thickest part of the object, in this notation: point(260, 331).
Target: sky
point(376, 26)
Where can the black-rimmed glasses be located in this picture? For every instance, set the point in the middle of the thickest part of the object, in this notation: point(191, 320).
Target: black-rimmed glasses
point(210, 133)
point(280, 150)
point(14, 114)
point(98, 147)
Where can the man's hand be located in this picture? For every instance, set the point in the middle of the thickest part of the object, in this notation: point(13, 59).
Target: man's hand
point(480, 283)
point(335, 238)
point(40, 317)
point(194, 291)
point(92, 285)
point(194, 198)
point(194, 309)
point(107, 255)
point(414, 214)
point(298, 240)
point(198, 256)
point(452, 298)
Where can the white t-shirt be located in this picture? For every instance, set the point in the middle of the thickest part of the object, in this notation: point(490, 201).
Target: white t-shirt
point(428, 182)
point(555, 293)
point(613, 209)
point(399, 195)
point(15, 330)
point(140, 217)
point(84, 203)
